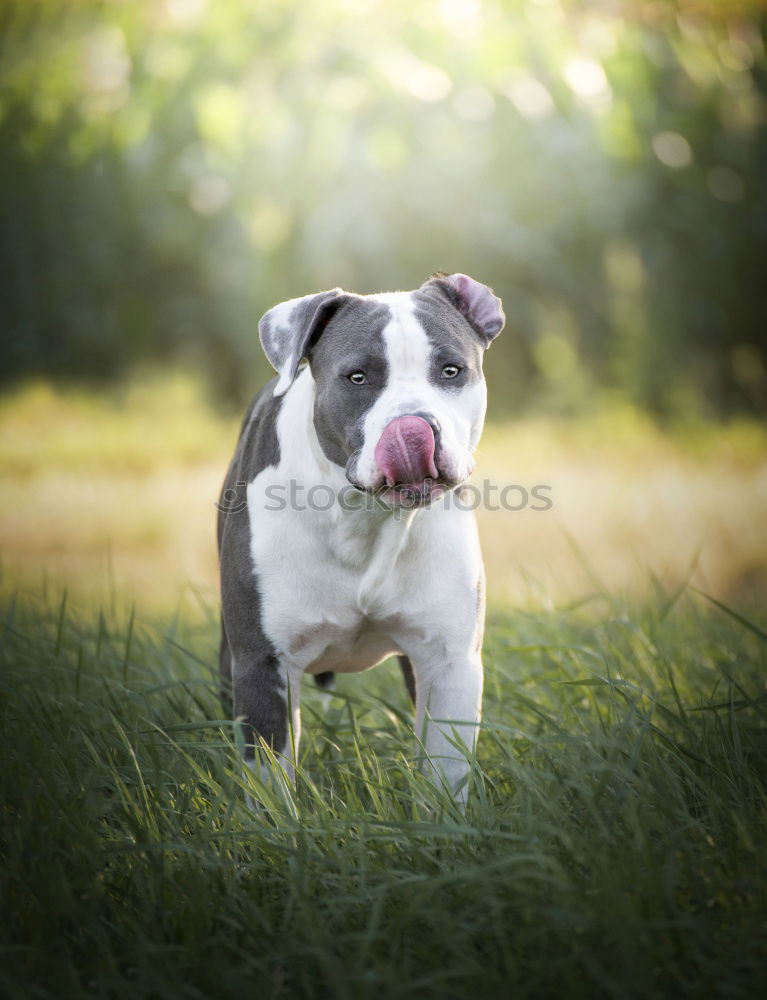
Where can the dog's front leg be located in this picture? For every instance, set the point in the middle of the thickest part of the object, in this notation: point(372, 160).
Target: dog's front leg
point(448, 710)
point(267, 702)
point(266, 697)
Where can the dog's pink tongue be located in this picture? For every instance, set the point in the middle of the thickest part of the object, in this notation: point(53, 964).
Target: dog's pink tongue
point(405, 452)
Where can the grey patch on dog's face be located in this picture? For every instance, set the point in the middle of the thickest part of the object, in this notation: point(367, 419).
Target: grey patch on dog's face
point(453, 340)
point(351, 342)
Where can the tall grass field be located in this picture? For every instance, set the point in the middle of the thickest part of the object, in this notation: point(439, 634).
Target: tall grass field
point(614, 842)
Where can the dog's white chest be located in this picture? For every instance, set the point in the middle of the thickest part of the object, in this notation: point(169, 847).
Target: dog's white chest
point(331, 588)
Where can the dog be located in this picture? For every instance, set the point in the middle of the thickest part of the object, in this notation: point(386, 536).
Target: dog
point(342, 539)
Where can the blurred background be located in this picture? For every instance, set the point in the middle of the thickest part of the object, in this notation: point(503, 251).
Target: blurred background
point(173, 168)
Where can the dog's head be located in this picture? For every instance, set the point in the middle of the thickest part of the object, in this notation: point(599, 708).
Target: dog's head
point(400, 395)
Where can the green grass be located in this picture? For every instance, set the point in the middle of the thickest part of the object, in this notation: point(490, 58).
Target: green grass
point(614, 844)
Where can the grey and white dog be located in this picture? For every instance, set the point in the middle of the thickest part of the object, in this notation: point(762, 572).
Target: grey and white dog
point(379, 427)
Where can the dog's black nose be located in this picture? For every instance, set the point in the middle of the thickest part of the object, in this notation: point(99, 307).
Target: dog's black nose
point(430, 419)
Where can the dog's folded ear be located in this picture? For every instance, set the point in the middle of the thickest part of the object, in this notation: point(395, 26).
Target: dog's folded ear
point(289, 330)
point(475, 301)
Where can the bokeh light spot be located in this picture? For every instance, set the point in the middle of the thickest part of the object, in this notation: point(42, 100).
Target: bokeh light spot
point(672, 149)
point(428, 83)
point(531, 99)
point(209, 193)
point(185, 12)
point(474, 104)
point(587, 80)
point(459, 10)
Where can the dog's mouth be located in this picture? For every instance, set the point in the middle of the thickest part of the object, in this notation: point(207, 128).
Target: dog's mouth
point(410, 473)
point(410, 495)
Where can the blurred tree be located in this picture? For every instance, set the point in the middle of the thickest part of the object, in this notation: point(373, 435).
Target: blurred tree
point(171, 169)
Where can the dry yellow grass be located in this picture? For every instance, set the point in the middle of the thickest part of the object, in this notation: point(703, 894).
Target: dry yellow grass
point(119, 491)
point(631, 503)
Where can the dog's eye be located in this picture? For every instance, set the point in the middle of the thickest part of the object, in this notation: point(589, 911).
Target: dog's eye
point(450, 371)
point(358, 378)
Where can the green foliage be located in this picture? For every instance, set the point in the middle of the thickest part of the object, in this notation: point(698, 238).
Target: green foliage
point(613, 846)
point(172, 169)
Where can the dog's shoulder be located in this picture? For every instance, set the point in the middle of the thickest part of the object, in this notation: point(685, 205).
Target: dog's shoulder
point(257, 448)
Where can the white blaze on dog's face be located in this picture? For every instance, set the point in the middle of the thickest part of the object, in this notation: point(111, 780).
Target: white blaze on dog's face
point(438, 380)
point(400, 394)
